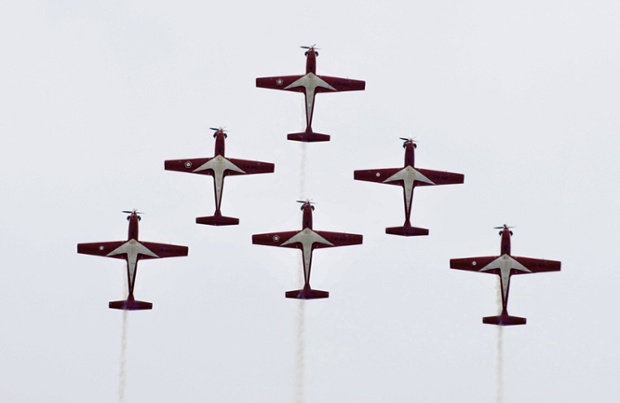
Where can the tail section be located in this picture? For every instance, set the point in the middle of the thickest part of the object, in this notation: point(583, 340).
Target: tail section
point(406, 230)
point(308, 136)
point(217, 220)
point(130, 305)
point(504, 320)
point(307, 293)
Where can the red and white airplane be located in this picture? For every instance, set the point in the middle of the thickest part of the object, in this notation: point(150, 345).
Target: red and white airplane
point(307, 240)
point(408, 177)
point(310, 84)
point(505, 266)
point(132, 251)
point(219, 167)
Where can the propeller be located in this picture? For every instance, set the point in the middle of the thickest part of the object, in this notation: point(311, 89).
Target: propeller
point(406, 140)
point(218, 129)
point(134, 211)
point(307, 201)
point(313, 47)
point(503, 227)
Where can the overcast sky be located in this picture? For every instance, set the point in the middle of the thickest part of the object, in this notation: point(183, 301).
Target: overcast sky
point(522, 98)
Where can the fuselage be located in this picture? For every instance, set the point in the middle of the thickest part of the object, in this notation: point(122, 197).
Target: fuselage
point(306, 239)
point(505, 245)
point(410, 153)
point(133, 226)
point(219, 164)
point(220, 142)
point(308, 84)
point(307, 216)
point(311, 55)
point(504, 265)
point(408, 175)
point(409, 183)
point(132, 250)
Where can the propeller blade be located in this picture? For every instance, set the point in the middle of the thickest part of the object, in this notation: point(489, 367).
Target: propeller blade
point(132, 211)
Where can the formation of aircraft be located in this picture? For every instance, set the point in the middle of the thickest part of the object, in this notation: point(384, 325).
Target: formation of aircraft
point(132, 250)
point(310, 84)
point(306, 240)
point(219, 167)
point(505, 265)
point(408, 177)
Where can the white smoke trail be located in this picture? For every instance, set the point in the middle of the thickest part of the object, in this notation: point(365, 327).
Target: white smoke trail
point(123, 360)
point(300, 352)
point(500, 347)
point(302, 172)
point(500, 364)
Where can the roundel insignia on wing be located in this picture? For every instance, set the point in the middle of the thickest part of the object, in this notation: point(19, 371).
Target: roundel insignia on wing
point(276, 238)
point(279, 81)
point(101, 247)
point(378, 174)
point(474, 263)
point(188, 164)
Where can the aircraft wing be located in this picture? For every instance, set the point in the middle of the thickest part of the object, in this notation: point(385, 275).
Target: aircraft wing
point(275, 239)
point(338, 239)
point(250, 167)
point(162, 250)
point(100, 248)
point(472, 263)
point(341, 84)
point(318, 239)
point(279, 83)
point(188, 165)
point(537, 265)
point(376, 175)
point(440, 178)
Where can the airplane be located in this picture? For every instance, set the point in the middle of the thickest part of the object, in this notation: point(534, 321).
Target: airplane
point(310, 84)
point(219, 167)
point(307, 240)
point(505, 266)
point(132, 251)
point(408, 177)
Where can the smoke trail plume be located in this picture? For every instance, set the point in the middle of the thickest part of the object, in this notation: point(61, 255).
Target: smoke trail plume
point(300, 353)
point(123, 359)
point(499, 366)
point(300, 367)
point(302, 172)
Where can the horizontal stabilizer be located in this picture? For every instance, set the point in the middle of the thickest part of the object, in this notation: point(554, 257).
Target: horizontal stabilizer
point(130, 305)
point(406, 230)
point(307, 293)
point(217, 220)
point(504, 320)
point(308, 136)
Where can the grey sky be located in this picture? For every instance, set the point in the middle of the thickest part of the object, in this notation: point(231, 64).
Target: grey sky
point(522, 98)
